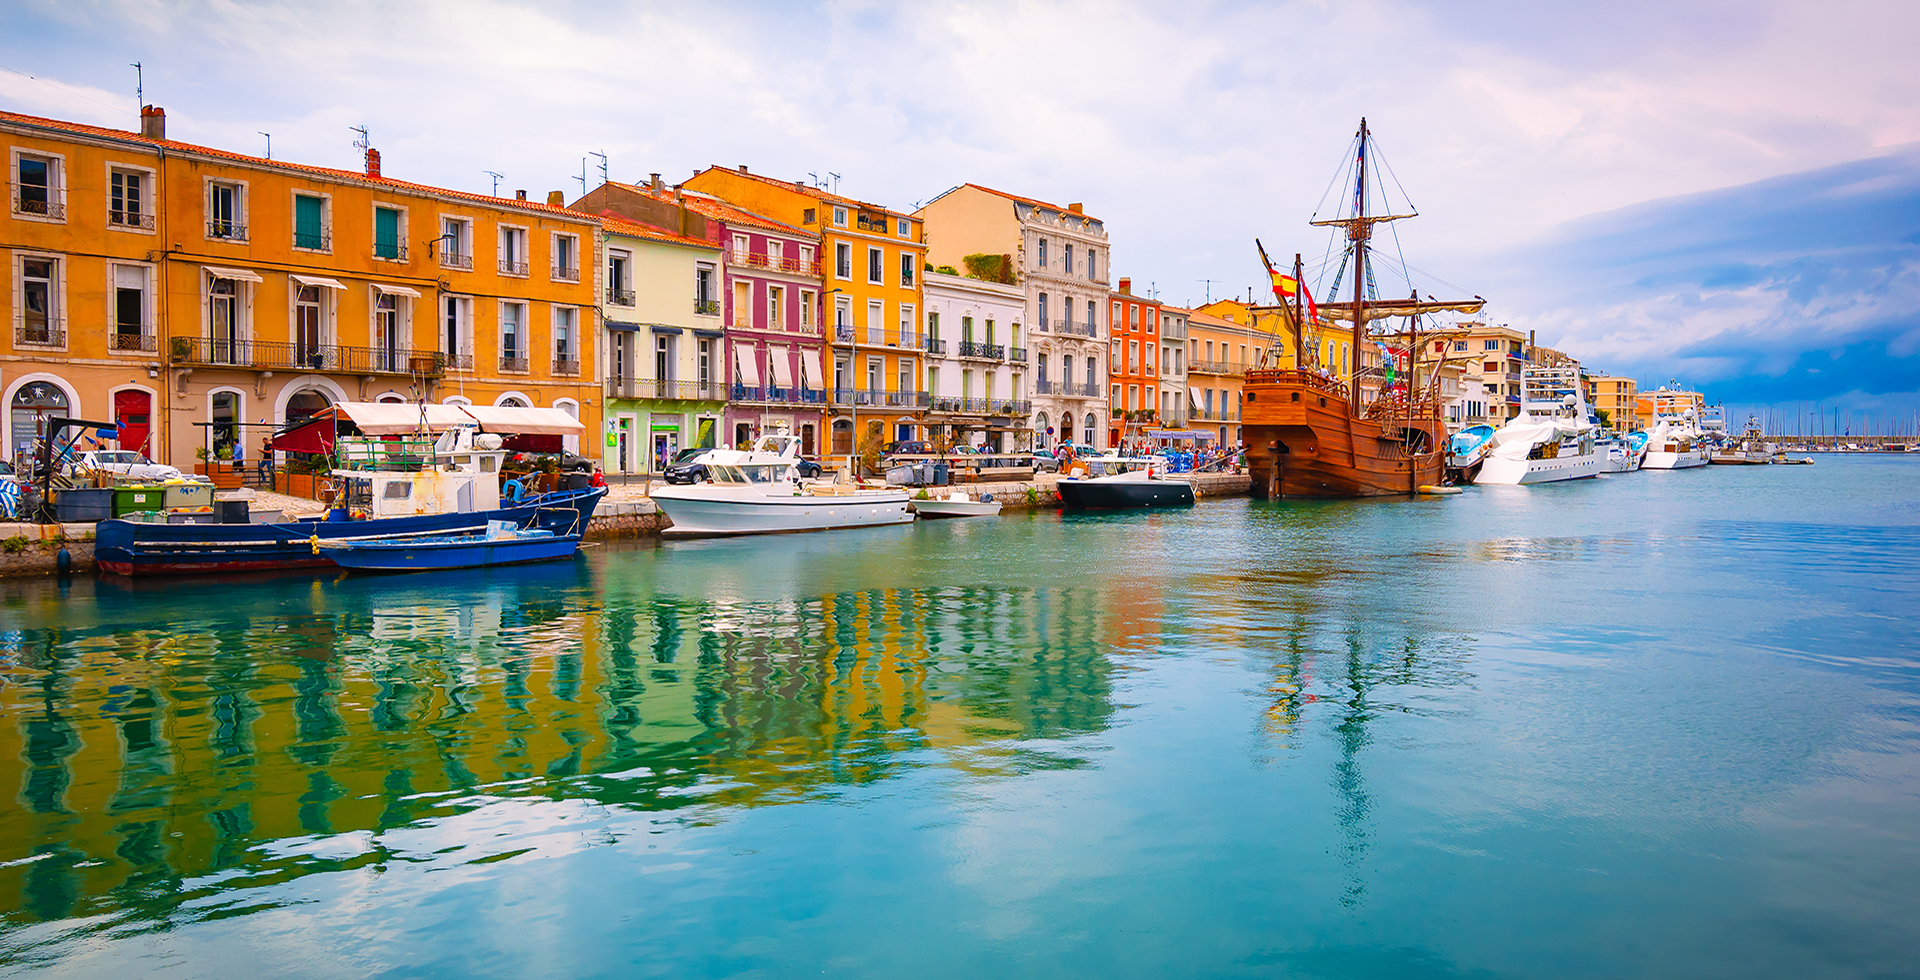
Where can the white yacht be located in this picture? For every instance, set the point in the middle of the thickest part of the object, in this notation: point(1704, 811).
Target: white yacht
point(1673, 443)
point(1553, 437)
point(1623, 454)
point(759, 491)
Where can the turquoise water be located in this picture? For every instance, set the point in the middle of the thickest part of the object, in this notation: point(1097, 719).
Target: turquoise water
point(1661, 724)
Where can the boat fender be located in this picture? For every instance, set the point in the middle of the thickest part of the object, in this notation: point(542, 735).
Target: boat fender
point(314, 543)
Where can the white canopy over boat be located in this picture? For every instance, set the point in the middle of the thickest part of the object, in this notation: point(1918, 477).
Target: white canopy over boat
point(399, 418)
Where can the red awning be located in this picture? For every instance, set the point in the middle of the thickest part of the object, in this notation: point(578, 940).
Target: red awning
point(315, 435)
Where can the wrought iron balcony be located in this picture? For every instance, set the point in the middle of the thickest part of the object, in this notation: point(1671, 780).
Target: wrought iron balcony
point(226, 231)
point(395, 251)
point(785, 263)
point(1076, 329)
point(567, 274)
point(514, 365)
point(130, 219)
point(888, 399)
point(459, 362)
point(1017, 355)
point(455, 260)
point(37, 201)
point(265, 355)
point(313, 241)
point(706, 307)
point(686, 391)
point(39, 335)
point(994, 352)
point(509, 267)
point(566, 367)
point(619, 297)
point(1231, 368)
point(778, 395)
point(133, 341)
point(843, 334)
point(936, 346)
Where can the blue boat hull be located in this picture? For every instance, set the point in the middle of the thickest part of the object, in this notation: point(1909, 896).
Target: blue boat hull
point(130, 548)
point(441, 553)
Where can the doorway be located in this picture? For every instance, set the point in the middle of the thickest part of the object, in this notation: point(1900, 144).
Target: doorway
point(132, 415)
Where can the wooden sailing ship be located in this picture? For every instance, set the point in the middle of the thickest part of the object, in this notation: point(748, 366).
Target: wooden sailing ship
point(1309, 434)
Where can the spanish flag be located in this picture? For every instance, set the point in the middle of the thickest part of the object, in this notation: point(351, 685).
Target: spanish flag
point(1284, 286)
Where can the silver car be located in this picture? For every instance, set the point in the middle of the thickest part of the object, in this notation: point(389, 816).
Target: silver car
point(123, 462)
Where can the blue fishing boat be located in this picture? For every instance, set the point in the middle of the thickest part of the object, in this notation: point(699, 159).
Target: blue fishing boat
point(500, 544)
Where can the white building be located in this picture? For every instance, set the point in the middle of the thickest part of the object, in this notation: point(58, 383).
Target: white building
point(976, 362)
point(1059, 261)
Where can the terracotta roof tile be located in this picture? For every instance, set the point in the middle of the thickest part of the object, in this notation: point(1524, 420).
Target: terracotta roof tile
point(82, 129)
point(1028, 200)
point(813, 192)
point(713, 207)
point(621, 226)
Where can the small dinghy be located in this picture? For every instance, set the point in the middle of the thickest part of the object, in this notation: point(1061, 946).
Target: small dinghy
point(500, 544)
point(957, 504)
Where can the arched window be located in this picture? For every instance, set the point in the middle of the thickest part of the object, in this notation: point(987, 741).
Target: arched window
point(392, 398)
point(842, 437)
point(513, 401)
point(1092, 424)
point(305, 404)
point(31, 405)
point(1040, 429)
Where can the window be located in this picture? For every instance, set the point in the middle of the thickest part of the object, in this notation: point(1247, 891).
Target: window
point(806, 308)
point(1043, 311)
point(1133, 398)
point(1491, 345)
point(566, 257)
point(806, 259)
point(1043, 253)
point(933, 324)
point(1066, 260)
point(456, 332)
point(1133, 357)
point(36, 187)
point(907, 322)
point(775, 300)
point(1066, 372)
point(874, 366)
point(225, 321)
point(1093, 375)
point(389, 337)
point(808, 216)
point(840, 217)
point(513, 251)
point(876, 325)
point(1040, 369)
point(130, 331)
point(566, 357)
point(456, 243)
point(513, 336)
point(1092, 424)
point(127, 199)
point(704, 365)
point(41, 317)
point(1113, 401)
point(905, 228)
point(619, 277)
point(226, 210)
point(1092, 270)
point(663, 357)
point(875, 259)
point(906, 269)
point(843, 260)
point(1116, 314)
point(989, 331)
point(776, 254)
point(907, 374)
point(739, 255)
point(1133, 317)
point(843, 316)
point(310, 223)
point(1113, 356)
point(307, 340)
point(1093, 317)
point(1459, 345)
point(389, 236)
point(705, 302)
point(1491, 367)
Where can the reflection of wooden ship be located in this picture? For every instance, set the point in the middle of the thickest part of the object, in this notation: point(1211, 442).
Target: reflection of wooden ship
point(1308, 434)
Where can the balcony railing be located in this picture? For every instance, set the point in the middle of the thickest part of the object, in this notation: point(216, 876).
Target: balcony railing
point(936, 346)
point(508, 267)
point(455, 260)
point(686, 391)
point(843, 334)
point(886, 399)
point(459, 362)
point(619, 297)
point(566, 367)
point(226, 231)
point(39, 335)
point(706, 307)
point(877, 336)
point(785, 263)
point(133, 341)
point(1017, 355)
point(37, 201)
point(1076, 329)
point(130, 219)
point(567, 273)
point(313, 241)
point(778, 395)
point(1045, 387)
point(514, 365)
point(978, 406)
point(994, 352)
point(1233, 368)
point(395, 251)
point(1072, 390)
point(1216, 415)
point(274, 354)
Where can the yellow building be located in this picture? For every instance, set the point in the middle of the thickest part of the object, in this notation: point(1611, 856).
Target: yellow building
point(187, 292)
point(1618, 397)
point(870, 278)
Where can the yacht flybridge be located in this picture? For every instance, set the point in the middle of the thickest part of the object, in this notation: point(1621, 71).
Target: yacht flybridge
point(758, 491)
point(1553, 437)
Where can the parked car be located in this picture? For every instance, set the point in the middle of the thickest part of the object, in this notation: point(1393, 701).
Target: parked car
point(809, 470)
point(569, 462)
point(1045, 462)
point(907, 448)
point(122, 462)
point(687, 466)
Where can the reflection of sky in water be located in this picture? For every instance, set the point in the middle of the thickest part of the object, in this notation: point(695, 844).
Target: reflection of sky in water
point(1578, 731)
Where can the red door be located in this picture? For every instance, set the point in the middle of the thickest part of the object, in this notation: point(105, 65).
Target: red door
point(132, 412)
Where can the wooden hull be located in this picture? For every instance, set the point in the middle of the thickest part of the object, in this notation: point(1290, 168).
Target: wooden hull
point(1303, 441)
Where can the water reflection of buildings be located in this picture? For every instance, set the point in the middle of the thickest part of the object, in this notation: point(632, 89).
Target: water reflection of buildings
point(148, 758)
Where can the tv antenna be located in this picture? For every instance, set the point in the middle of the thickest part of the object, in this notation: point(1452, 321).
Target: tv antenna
point(364, 142)
point(836, 181)
point(603, 164)
point(1209, 283)
point(816, 179)
point(139, 87)
point(269, 137)
point(496, 181)
point(582, 178)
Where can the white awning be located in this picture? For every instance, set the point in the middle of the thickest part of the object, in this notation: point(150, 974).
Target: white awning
point(810, 366)
point(395, 418)
point(397, 290)
point(746, 371)
point(321, 281)
point(1193, 398)
point(778, 366)
point(528, 421)
point(241, 274)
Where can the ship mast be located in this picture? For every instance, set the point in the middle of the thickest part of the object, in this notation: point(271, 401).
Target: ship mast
point(1357, 233)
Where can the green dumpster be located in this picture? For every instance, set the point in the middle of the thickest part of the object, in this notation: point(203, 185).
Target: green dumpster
point(127, 500)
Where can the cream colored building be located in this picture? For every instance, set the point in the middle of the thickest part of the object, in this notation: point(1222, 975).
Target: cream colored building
point(1059, 258)
point(976, 362)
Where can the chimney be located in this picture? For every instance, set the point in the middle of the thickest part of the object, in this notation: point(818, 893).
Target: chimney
point(1126, 286)
point(1077, 209)
point(655, 183)
point(519, 195)
point(556, 199)
point(373, 162)
point(153, 122)
point(743, 168)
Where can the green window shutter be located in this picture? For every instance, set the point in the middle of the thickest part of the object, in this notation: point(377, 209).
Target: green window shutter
point(386, 233)
point(307, 232)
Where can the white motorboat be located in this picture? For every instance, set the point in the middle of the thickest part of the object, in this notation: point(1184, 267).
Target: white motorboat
point(1553, 437)
point(759, 491)
point(1622, 454)
point(1674, 444)
point(1752, 449)
point(957, 504)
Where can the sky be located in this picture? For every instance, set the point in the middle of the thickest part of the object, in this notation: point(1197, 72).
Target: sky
point(1722, 193)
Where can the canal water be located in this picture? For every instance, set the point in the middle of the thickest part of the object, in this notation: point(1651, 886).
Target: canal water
point(1661, 724)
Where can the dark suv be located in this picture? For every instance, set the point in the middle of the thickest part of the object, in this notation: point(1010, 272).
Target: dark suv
point(907, 448)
